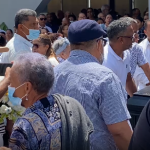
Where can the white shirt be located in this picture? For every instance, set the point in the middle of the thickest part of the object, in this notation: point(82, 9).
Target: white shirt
point(53, 61)
point(140, 78)
point(48, 28)
point(121, 67)
point(17, 45)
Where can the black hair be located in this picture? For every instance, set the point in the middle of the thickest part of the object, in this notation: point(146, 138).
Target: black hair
point(100, 19)
point(22, 15)
point(133, 10)
point(10, 30)
point(2, 41)
point(84, 11)
point(91, 9)
point(73, 16)
point(140, 19)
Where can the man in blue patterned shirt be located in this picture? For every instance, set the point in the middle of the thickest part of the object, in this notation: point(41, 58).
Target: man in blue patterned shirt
point(97, 88)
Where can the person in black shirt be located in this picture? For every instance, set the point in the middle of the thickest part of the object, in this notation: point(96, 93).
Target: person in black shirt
point(141, 135)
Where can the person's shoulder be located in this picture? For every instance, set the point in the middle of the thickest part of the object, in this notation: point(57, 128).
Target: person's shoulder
point(50, 29)
point(142, 43)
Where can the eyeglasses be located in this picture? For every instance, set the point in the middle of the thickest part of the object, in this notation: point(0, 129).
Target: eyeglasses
point(129, 37)
point(104, 41)
point(43, 19)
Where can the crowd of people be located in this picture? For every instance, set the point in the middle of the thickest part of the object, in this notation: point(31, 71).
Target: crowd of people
point(74, 77)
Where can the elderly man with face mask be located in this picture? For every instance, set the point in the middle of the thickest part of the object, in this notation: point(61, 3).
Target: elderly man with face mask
point(97, 88)
point(26, 31)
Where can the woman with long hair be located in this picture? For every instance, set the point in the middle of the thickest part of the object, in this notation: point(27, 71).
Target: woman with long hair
point(42, 45)
point(63, 29)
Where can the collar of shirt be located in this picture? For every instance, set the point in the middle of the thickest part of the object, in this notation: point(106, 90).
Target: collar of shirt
point(145, 44)
point(40, 104)
point(23, 40)
point(60, 60)
point(86, 57)
point(43, 27)
point(115, 55)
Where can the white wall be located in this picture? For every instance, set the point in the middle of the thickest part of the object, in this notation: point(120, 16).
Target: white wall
point(8, 9)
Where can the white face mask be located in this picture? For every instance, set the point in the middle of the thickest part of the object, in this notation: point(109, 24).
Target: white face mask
point(33, 34)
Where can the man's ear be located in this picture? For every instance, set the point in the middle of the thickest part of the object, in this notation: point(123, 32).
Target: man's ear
point(28, 87)
point(20, 27)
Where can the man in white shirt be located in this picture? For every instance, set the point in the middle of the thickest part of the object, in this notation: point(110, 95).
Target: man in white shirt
point(25, 23)
point(42, 23)
point(120, 34)
point(140, 77)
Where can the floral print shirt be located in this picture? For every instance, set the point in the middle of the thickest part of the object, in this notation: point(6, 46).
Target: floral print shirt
point(38, 128)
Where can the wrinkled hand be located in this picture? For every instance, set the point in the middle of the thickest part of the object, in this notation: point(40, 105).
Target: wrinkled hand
point(4, 148)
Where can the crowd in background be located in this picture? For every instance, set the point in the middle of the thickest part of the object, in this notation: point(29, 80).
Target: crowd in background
point(98, 59)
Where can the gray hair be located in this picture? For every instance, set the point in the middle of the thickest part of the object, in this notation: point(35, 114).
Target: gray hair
point(60, 45)
point(117, 28)
point(36, 69)
point(104, 7)
point(22, 15)
point(131, 20)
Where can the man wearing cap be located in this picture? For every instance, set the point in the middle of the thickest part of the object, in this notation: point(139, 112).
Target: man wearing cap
point(97, 88)
point(116, 58)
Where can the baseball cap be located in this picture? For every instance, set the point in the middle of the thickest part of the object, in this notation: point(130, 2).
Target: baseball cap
point(85, 30)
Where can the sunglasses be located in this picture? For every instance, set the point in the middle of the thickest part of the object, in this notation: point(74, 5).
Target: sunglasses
point(43, 19)
point(35, 46)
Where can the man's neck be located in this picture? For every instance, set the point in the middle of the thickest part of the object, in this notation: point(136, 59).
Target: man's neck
point(22, 35)
point(117, 50)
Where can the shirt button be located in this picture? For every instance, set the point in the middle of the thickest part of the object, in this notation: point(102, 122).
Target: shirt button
point(70, 113)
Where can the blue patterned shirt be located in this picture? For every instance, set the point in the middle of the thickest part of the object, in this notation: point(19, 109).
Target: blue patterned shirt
point(137, 57)
point(99, 91)
point(39, 127)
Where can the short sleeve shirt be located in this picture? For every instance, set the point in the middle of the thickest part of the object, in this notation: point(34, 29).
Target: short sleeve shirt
point(99, 91)
point(137, 57)
point(121, 67)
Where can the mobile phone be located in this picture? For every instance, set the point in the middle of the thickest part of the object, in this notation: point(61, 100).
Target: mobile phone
point(3, 67)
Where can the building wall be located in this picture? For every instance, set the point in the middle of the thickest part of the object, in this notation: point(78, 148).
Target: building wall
point(74, 6)
point(8, 9)
point(98, 3)
point(54, 6)
point(122, 6)
point(141, 4)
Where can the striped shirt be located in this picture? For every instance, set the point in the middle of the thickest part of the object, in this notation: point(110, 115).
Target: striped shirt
point(2, 128)
point(99, 91)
